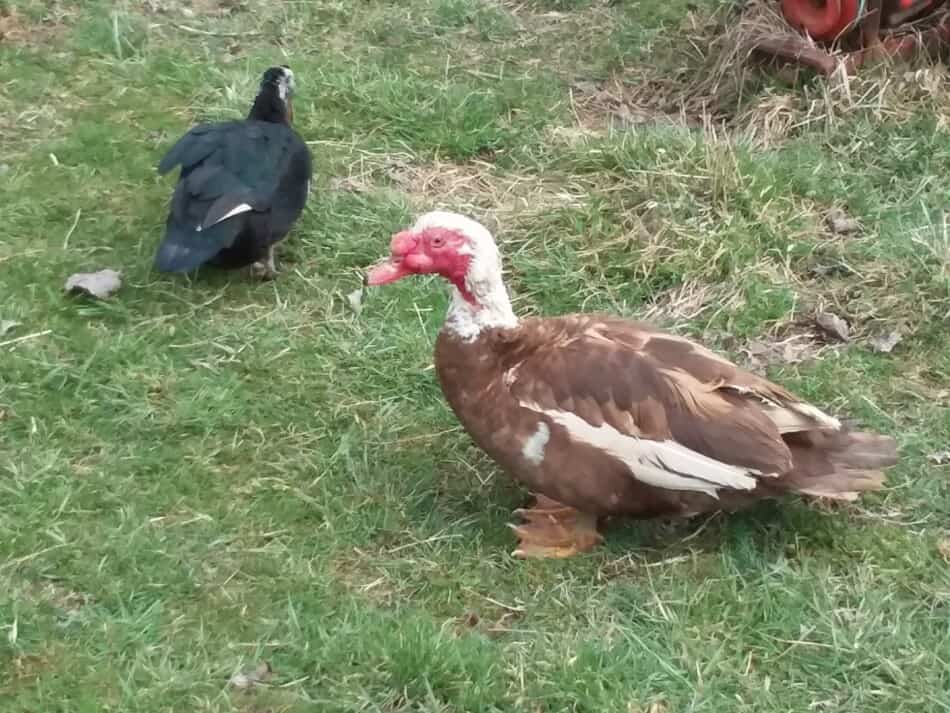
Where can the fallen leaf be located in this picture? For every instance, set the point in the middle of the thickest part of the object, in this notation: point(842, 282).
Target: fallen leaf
point(939, 458)
point(97, 284)
point(943, 547)
point(833, 325)
point(254, 677)
point(840, 223)
point(7, 325)
point(885, 342)
point(355, 300)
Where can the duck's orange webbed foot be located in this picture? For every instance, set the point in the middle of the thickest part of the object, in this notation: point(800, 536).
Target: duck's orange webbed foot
point(553, 530)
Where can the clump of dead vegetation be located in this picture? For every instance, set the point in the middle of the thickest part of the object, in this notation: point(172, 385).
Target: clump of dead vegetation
point(193, 8)
point(18, 29)
point(474, 185)
point(699, 72)
point(710, 72)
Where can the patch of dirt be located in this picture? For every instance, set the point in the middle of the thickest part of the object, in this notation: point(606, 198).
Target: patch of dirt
point(813, 336)
point(795, 345)
point(68, 603)
point(875, 315)
point(65, 599)
point(26, 669)
point(18, 29)
point(867, 302)
point(617, 105)
point(834, 314)
point(360, 576)
point(791, 342)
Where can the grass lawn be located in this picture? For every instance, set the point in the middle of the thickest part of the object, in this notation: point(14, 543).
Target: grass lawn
point(202, 476)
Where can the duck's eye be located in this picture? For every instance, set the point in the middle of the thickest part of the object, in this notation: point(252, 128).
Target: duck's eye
point(438, 241)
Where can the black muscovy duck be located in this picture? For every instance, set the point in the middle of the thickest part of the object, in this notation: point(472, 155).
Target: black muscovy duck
point(242, 186)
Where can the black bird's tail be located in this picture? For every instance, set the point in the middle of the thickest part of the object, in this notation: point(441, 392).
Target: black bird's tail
point(185, 249)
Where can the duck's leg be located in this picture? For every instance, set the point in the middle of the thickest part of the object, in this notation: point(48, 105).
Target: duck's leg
point(265, 269)
point(554, 530)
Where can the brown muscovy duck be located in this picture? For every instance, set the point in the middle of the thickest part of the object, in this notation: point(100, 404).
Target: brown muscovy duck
point(243, 184)
point(602, 416)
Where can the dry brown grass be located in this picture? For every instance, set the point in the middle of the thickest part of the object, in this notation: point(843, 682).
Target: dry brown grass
point(702, 72)
point(682, 305)
point(476, 185)
point(767, 117)
point(709, 73)
point(191, 8)
point(18, 29)
point(793, 339)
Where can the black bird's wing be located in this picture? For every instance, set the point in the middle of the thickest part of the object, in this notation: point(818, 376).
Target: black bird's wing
point(232, 175)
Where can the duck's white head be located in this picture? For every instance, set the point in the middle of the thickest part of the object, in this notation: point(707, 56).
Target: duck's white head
point(462, 251)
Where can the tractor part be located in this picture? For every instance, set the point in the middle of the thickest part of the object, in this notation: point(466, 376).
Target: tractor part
point(864, 30)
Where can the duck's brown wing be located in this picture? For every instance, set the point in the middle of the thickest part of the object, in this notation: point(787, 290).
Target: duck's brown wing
point(679, 416)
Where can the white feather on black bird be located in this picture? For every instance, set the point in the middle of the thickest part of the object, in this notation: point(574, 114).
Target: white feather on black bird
point(243, 185)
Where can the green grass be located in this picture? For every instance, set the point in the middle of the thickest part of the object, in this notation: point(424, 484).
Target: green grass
point(200, 475)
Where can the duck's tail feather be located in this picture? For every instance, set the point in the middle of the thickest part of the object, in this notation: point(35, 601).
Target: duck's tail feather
point(838, 464)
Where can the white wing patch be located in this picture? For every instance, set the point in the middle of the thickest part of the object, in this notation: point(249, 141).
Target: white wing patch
point(823, 419)
point(533, 448)
point(789, 417)
point(662, 464)
point(236, 210)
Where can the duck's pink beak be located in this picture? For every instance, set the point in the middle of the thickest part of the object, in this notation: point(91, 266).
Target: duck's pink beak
point(401, 262)
point(387, 271)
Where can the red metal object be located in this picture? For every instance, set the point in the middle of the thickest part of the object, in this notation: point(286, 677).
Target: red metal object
point(901, 11)
point(865, 29)
point(825, 20)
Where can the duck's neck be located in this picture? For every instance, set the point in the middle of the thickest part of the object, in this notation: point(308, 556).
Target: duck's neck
point(477, 306)
point(268, 106)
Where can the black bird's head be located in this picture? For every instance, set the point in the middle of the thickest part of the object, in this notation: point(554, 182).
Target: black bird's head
point(274, 101)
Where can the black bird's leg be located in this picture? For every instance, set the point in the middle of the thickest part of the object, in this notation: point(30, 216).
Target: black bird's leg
point(265, 269)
